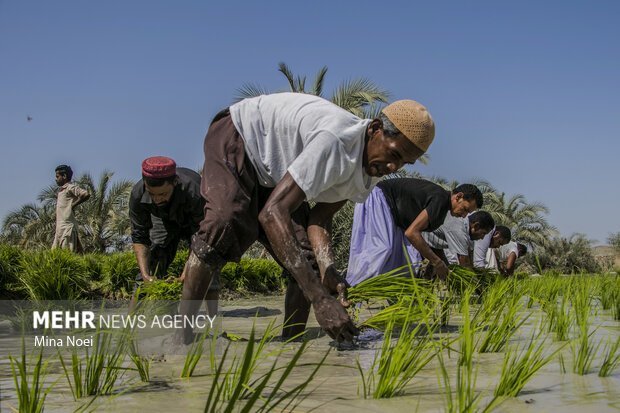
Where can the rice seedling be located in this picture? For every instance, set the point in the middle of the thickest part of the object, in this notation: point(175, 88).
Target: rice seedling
point(606, 290)
point(583, 350)
point(562, 364)
point(194, 354)
point(396, 365)
point(10, 265)
point(120, 272)
point(503, 325)
point(236, 385)
point(389, 286)
point(160, 290)
point(611, 359)
point(406, 310)
point(98, 369)
point(560, 318)
point(520, 366)
point(30, 394)
point(53, 275)
point(463, 397)
point(581, 298)
point(615, 305)
point(235, 374)
point(257, 275)
point(143, 364)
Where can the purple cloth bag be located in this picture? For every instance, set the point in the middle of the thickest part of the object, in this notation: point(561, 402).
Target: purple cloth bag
point(376, 243)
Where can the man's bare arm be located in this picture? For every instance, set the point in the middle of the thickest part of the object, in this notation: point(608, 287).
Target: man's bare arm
point(319, 234)
point(414, 235)
point(510, 264)
point(143, 255)
point(275, 219)
point(464, 261)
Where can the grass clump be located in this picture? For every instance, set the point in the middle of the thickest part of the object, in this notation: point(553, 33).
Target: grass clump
point(30, 394)
point(194, 354)
point(503, 325)
point(96, 372)
point(120, 272)
point(53, 275)
point(142, 364)
point(396, 365)
point(160, 290)
point(462, 397)
point(520, 366)
point(260, 275)
point(583, 351)
point(389, 286)
point(611, 359)
point(241, 388)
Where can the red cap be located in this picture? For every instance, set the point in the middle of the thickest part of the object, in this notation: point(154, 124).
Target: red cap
point(159, 167)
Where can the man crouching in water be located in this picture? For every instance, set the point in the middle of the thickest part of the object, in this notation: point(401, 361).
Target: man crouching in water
point(265, 158)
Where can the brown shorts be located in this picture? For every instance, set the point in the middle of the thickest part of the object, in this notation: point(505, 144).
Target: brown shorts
point(234, 199)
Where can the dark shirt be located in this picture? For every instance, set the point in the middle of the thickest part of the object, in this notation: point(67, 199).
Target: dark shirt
point(408, 197)
point(181, 216)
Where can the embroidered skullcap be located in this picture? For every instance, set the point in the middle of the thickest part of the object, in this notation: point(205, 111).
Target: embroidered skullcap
point(159, 167)
point(413, 120)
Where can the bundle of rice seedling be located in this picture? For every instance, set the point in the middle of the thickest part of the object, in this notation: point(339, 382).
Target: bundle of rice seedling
point(389, 286)
point(460, 278)
point(407, 310)
point(53, 275)
point(161, 290)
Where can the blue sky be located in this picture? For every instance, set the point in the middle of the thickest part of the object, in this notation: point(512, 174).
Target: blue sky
point(524, 94)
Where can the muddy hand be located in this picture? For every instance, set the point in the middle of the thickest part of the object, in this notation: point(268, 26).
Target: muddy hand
point(441, 270)
point(342, 294)
point(334, 319)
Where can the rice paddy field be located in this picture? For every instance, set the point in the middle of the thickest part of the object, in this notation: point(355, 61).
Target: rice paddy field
point(549, 343)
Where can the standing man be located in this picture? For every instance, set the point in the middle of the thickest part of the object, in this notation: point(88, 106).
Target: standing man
point(265, 157)
point(69, 196)
point(393, 220)
point(165, 207)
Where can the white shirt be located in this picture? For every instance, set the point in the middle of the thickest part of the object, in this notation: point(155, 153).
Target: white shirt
point(480, 249)
point(320, 144)
point(504, 251)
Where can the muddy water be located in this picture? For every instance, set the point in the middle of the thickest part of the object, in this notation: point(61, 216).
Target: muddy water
point(337, 384)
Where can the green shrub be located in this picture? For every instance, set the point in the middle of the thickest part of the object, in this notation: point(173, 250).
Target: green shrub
point(94, 266)
point(176, 266)
point(120, 271)
point(253, 275)
point(10, 265)
point(53, 275)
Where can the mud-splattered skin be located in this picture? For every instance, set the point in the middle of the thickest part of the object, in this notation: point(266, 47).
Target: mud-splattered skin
point(275, 219)
point(319, 233)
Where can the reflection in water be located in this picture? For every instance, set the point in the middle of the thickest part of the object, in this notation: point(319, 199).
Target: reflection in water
point(338, 381)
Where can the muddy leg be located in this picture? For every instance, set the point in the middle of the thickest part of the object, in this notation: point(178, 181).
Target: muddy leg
point(198, 277)
point(212, 298)
point(296, 310)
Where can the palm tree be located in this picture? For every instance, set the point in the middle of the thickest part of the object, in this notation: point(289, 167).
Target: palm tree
point(525, 220)
point(104, 220)
point(31, 226)
point(359, 96)
point(104, 217)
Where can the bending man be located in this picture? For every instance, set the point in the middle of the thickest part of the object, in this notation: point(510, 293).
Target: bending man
point(393, 219)
point(264, 158)
point(165, 207)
